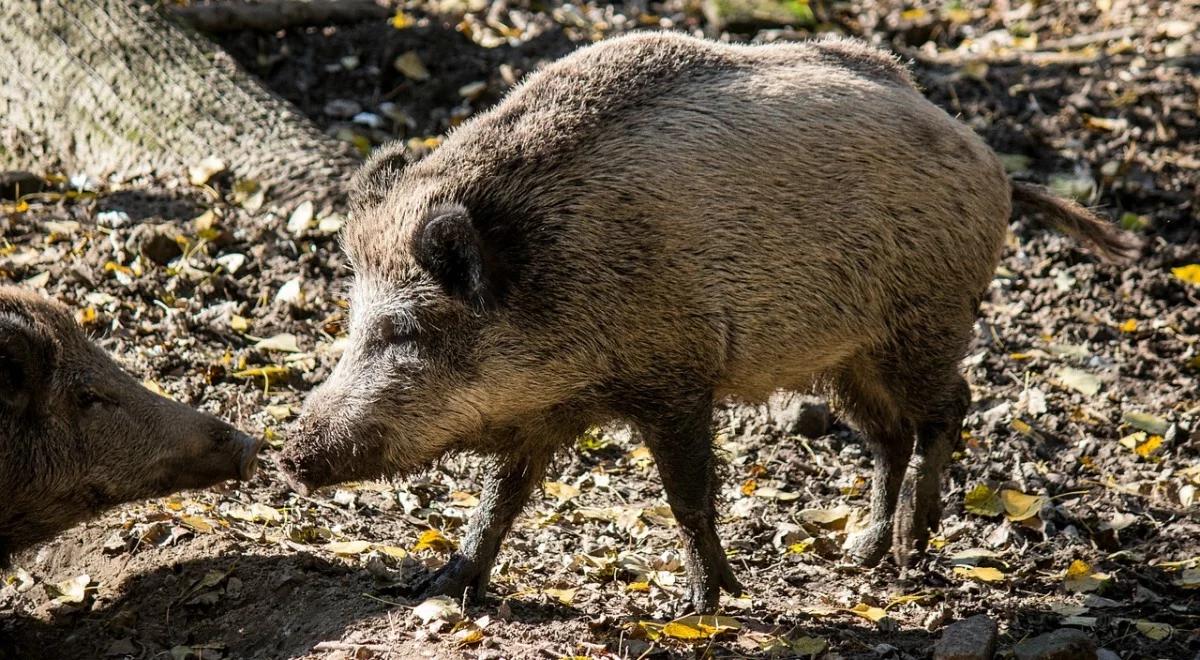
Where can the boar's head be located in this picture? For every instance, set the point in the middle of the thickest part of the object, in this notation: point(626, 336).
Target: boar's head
point(442, 355)
point(78, 434)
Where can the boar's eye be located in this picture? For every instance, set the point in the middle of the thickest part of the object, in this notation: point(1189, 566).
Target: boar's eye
point(392, 331)
point(89, 398)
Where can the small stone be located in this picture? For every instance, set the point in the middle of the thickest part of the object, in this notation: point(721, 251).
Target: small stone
point(969, 639)
point(1105, 654)
point(342, 108)
point(1062, 644)
point(14, 184)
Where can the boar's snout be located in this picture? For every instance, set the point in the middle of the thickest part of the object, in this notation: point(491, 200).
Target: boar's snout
point(324, 453)
point(213, 452)
point(249, 448)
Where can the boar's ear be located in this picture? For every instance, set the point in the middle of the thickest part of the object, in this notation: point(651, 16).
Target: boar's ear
point(373, 180)
point(23, 364)
point(453, 251)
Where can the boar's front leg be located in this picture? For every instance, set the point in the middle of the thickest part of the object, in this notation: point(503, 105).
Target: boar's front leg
point(509, 482)
point(680, 440)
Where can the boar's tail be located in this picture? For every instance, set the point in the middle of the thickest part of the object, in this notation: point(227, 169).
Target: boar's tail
point(1103, 237)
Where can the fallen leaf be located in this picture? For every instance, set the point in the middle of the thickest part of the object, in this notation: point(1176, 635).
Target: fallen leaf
point(256, 513)
point(983, 501)
point(439, 608)
point(1153, 630)
point(1141, 444)
point(771, 493)
point(979, 573)
point(74, 590)
point(868, 612)
point(834, 518)
point(1146, 422)
point(1019, 506)
point(348, 547)
point(468, 634)
point(1189, 273)
point(402, 20)
point(560, 491)
point(1081, 578)
point(1081, 381)
point(196, 524)
point(564, 596)
point(432, 539)
point(700, 627)
point(1189, 579)
point(411, 66)
point(285, 342)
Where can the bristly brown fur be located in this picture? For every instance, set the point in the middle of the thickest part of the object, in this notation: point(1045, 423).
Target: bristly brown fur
point(78, 434)
point(1105, 238)
point(666, 221)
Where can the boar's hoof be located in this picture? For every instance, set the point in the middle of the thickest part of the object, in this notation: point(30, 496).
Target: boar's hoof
point(867, 546)
point(456, 578)
point(704, 592)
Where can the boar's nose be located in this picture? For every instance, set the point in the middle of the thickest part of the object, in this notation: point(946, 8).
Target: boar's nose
point(248, 448)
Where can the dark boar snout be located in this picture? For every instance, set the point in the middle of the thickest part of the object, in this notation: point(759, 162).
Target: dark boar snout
point(210, 452)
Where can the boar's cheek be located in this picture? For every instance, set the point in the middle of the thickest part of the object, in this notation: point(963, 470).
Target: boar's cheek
point(26, 360)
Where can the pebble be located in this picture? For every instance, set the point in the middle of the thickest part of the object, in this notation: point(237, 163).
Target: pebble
point(970, 639)
point(1062, 644)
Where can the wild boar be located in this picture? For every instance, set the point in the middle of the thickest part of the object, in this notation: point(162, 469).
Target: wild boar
point(652, 224)
point(78, 434)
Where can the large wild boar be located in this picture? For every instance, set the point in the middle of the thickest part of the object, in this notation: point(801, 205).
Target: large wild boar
point(78, 434)
point(647, 226)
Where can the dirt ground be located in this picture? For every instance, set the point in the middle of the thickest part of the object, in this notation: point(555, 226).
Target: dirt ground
point(1072, 503)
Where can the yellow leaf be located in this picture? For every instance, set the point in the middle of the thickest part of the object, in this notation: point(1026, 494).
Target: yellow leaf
point(348, 547)
point(909, 598)
point(1141, 444)
point(749, 486)
point(411, 66)
point(983, 501)
point(273, 372)
point(239, 323)
point(471, 634)
point(699, 627)
point(979, 573)
point(1189, 273)
point(834, 518)
point(913, 14)
point(868, 612)
point(86, 316)
point(802, 546)
point(1080, 577)
point(1155, 631)
point(560, 491)
point(1022, 427)
point(402, 20)
point(641, 587)
point(432, 539)
point(1018, 506)
point(256, 513)
point(196, 524)
point(1130, 325)
point(392, 551)
point(564, 596)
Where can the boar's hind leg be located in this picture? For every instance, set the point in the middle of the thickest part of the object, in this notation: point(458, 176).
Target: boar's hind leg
point(890, 437)
point(938, 434)
point(681, 442)
point(507, 487)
